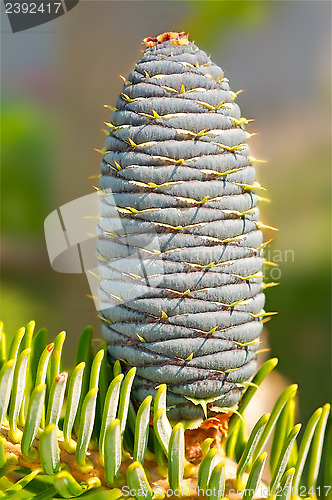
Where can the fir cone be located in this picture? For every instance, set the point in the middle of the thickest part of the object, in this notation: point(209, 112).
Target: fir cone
point(179, 240)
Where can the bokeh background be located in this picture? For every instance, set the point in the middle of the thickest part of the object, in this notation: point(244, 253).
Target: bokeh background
point(56, 79)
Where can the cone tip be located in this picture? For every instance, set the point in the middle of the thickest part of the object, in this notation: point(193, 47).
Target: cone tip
point(170, 36)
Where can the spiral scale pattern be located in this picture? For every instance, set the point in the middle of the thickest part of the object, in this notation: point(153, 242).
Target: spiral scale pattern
point(179, 241)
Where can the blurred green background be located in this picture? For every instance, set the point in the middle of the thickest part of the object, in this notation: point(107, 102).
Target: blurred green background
point(56, 79)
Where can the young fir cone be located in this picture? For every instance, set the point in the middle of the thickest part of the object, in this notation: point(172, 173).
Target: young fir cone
point(179, 240)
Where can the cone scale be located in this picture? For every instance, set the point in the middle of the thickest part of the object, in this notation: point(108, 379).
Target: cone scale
point(178, 238)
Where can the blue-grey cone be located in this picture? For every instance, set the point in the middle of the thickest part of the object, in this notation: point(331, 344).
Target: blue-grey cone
point(178, 238)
